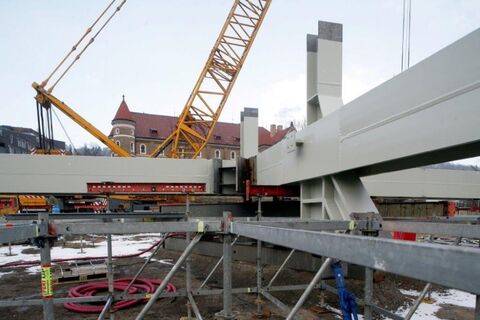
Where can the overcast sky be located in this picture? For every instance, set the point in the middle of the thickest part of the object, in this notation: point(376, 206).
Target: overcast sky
point(153, 52)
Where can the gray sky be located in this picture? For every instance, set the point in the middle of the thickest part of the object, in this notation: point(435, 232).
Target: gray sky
point(154, 50)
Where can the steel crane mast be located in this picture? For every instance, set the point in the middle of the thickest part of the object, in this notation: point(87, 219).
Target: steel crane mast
point(202, 110)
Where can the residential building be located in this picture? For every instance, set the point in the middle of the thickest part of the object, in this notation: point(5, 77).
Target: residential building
point(21, 140)
point(141, 133)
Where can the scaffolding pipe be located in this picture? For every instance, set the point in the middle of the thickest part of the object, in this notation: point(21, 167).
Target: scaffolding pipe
point(309, 289)
point(477, 308)
point(169, 276)
point(227, 276)
point(215, 267)
point(418, 301)
point(188, 262)
point(198, 315)
point(259, 261)
point(282, 306)
point(281, 268)
point(368, 294)
point(110, 274)
point(139, 272)
point(45, 260)
point(107, 307)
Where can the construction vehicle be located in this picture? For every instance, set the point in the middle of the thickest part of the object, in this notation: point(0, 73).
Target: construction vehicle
point(10, 204)
point(203, 108)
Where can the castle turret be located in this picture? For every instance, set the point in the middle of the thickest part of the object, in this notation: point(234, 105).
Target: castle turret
point(123, 128)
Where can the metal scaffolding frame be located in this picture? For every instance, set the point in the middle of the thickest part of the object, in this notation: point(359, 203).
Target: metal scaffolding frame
point(459, 267)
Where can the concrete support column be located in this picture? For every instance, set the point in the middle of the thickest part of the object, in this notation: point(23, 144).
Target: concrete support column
point(249, 133)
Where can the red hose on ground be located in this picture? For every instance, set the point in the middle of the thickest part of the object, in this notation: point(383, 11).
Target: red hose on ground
point(141, 285)
point(132, 255)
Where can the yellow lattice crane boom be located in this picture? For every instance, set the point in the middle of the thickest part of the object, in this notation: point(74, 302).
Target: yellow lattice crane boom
point(200, 114)
point(203, 108)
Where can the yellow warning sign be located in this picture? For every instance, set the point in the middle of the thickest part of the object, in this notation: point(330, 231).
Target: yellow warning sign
point(47, 286)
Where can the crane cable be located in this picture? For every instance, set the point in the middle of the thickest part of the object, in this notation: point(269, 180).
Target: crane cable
point(89, 29)
point(86, 46)
point(66, 133)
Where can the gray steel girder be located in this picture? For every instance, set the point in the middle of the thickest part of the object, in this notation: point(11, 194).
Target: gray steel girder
point(427, 114)
point(454, 267)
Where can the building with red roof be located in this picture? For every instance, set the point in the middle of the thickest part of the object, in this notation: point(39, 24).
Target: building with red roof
point(141, 133)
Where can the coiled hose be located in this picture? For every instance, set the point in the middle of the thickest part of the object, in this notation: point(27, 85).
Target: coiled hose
point(140, 285)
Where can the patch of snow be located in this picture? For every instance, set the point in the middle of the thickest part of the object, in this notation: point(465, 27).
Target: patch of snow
point(121, 245)
point(163, 261)
point(33, 269)
point(427, 311)
point(5, 273)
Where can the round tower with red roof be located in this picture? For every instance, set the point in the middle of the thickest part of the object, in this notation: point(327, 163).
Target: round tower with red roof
point(123, 128)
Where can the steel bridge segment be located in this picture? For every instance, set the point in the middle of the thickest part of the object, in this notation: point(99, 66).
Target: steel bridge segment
point(96, 216)
point(48, 174)
point(435, 228)
point(386, 129)
point(20, 233)
point(68, 175)
point(454, 267)
point(137, 227)
point(429, 183)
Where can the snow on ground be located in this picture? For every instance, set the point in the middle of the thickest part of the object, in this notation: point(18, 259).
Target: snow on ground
point(121, 245)
point(426, 311)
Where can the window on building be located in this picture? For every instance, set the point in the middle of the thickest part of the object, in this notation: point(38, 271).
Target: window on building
point(118, 143)
point(117, 131)
point(217, 154)
point(143, 149)
point(233, 155)
point(132, 147)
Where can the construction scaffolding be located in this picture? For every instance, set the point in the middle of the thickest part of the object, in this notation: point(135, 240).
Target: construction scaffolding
point(354, 242)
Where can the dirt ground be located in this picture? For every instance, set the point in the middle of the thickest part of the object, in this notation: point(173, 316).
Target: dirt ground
point(386, 293)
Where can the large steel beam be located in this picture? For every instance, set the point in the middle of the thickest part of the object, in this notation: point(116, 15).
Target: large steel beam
point(454, 267)
point(71, 179)
point(136, 227)
point(19, 233)
point(427, 114)
point(48, 174)
point(436, 228)
point(425, 183)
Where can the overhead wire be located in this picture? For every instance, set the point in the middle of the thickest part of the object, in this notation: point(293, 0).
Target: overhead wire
point(406, 29)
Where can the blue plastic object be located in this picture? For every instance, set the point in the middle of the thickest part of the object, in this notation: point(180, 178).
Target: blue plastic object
point(347, 299)
point(55, 209)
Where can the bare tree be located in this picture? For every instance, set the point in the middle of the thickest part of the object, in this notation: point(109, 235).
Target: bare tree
point(92, 149)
